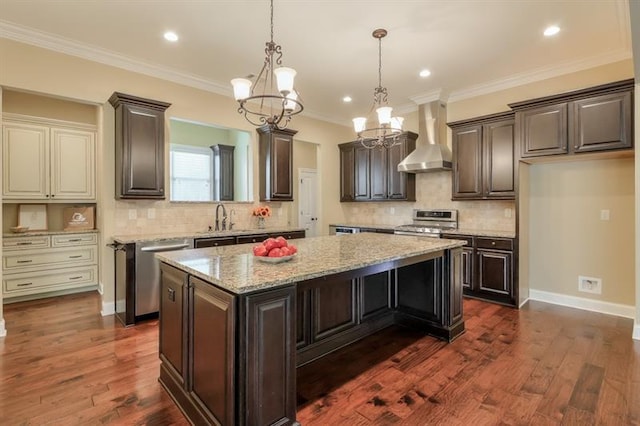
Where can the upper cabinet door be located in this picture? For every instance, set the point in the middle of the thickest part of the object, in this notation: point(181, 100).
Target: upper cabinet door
point(467, 162)
point(139, 147)
point(362, 173)
point(402, 186)
point(347, 172)
point(276, 164)
point(543, 130)
point(602, 123)
point(378, 170)
point(73, 164)
point(499, 153)
point(25, 154)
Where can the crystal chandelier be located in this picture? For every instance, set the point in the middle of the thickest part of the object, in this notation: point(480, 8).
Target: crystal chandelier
point(259, 102)
point(388, 128)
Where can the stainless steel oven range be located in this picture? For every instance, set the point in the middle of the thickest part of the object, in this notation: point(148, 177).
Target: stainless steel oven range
point(429, 223)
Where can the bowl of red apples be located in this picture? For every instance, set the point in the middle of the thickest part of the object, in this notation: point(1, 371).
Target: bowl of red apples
point(274, 250)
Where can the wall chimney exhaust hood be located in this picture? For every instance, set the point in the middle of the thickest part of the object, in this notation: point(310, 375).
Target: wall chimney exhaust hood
point(432, 153)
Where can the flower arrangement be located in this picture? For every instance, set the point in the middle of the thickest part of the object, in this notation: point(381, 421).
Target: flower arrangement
point(261, 211)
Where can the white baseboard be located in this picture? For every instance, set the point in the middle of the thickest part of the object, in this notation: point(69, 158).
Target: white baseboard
point(108, 308)
point(636, 331)
point(100, 289)
point(3, 331)
point(627, 311)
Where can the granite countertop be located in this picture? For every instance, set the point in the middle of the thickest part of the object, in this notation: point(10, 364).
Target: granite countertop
point(139, 238)
point(235, 269)
point(459, 231)
point(39, 233)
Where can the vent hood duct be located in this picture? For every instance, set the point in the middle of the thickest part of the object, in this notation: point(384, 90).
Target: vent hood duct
point(431, 153)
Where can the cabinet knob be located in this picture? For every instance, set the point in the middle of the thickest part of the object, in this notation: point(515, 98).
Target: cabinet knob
point(216, 244)
point(493, 243)
point(172, 294)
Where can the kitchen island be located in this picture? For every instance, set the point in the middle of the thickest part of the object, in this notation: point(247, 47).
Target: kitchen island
point(233, 329)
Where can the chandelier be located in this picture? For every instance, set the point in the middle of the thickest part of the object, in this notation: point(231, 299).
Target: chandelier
point(259, 102)
point(388, 128)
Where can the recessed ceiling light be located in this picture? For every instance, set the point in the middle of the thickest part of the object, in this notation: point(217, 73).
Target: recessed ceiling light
point(551, 30)
point(347, 99)
point(171, 36)
point(425, 73)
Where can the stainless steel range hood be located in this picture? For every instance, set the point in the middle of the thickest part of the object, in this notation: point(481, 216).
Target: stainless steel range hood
point(432, 153)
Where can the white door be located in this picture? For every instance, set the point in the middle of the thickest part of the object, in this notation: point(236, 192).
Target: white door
point(25, 159)
point(307, 206)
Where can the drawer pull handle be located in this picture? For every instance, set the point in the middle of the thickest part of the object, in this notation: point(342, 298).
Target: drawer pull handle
point(25, 261)
point(24, 284)
point(77, 256)
point(75, 278)
point(25, 243)
point(172, 294)
point(75, 240)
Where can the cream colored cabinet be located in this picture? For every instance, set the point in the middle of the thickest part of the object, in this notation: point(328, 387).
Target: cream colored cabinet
point(48, 160)
point(41, 266)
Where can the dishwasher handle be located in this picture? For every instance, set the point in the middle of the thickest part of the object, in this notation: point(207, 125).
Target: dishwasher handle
point(154, 249)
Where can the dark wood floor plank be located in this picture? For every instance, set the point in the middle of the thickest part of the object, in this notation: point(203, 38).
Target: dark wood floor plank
point(540, 365)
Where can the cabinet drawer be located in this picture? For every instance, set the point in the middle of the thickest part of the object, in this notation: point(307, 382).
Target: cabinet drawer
point(25, 243)
point(50, 258)
point(50, 280)
point(252, 238)
point(214, 242)
point(495, 243)
point(73, 240)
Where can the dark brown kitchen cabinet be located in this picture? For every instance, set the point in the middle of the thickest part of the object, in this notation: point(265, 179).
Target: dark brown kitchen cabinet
point(484, 158)
point(223, 172)
point(173, 327)
point(139, 141)
point(275, 164)
point(254, 238)
point(334, 308)
point(347, 172)
point(376, 295)
point(488, 266)
point(587, 120)
point(212, 351)
point(362, 173)
point(372, 174)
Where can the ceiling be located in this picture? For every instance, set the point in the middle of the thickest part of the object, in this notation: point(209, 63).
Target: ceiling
point(470, 46)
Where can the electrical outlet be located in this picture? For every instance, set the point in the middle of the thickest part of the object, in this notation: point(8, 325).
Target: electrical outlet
point(133, 214)
point(604, 214)
point(151, 213)
point(590, 285)
point(507, 213)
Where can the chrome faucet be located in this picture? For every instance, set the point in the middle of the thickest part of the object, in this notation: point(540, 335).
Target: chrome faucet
point(224, 217)
point(231, 219)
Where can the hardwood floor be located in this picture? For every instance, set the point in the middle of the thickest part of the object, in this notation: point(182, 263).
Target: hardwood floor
point(64, 364)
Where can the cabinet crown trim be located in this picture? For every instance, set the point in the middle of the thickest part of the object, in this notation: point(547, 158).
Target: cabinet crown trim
point(506, 115)
point(118, 99)
point(603, 89)
point(52, 122)
point(267, 129)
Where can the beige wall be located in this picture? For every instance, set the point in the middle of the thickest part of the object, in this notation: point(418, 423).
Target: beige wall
point(567, 237)
point(3, 330)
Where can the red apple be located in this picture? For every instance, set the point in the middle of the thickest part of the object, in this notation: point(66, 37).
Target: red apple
point(282, 242)
point(260, 250)
point(292, 249)
point(270, 243)
point(276, 252)
point(285, 251)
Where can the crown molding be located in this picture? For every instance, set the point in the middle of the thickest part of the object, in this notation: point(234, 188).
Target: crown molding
point(96, 54)
point(539, 74)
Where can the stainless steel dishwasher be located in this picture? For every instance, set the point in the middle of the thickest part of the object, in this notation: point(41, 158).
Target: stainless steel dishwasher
point(147, 294)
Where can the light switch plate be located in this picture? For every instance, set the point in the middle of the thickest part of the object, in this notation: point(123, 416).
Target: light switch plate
point(604, 214)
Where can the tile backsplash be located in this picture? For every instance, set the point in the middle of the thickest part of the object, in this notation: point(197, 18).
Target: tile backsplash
point(139, 217)
point(433, 191)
